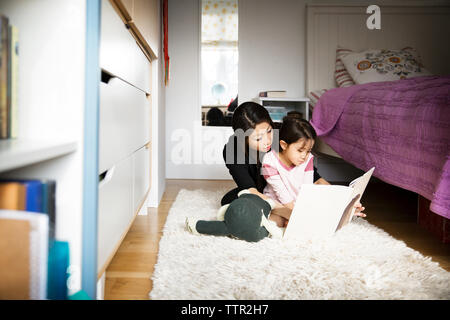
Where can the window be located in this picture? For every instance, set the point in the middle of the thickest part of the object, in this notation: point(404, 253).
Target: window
point(219, 59)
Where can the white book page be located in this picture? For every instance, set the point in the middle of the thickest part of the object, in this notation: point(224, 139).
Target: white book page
point(359, 185)
point(317, 211)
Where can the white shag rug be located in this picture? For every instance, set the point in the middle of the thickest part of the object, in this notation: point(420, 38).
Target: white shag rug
point(360, 261)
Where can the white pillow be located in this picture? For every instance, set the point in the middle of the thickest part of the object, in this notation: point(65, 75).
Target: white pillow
point(384, 65)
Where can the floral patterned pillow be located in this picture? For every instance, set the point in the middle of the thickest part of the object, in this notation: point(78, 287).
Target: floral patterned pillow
point(384, 65)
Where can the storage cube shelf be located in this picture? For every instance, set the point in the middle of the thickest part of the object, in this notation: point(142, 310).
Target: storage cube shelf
point(279, 107)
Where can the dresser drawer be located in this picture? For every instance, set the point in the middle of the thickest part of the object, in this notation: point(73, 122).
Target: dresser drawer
point(124, 121)
point(119, 52)
point(141, 176)
point(115, 208)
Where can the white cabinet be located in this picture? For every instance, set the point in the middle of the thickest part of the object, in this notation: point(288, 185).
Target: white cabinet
point(124, 133)
point(119, 53)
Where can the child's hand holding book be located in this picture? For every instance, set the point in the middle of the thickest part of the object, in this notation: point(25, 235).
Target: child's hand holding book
point(359, 209)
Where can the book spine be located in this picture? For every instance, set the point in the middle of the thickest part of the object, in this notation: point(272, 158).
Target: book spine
point(272, 94)
point(3, 77)
point(49, 205)
point(8, 86)
point(12, 196)
point(2, 66)
point(58, 264)
point(276, 94)
point(14, 57)
point(34, 202)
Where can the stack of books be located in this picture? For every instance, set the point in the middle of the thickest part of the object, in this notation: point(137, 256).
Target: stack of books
point(34, 264)
point(273, 94)
point(9, 56)
point(31, 196)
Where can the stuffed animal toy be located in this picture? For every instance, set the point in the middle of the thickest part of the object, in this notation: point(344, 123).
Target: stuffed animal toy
point(245, 218)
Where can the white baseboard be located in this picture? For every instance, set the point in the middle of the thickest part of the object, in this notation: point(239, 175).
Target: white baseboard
point(101, 287)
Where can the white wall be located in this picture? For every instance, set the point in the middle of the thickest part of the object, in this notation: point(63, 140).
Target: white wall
point(272, 39)
point(183, 113)
point(271, 56)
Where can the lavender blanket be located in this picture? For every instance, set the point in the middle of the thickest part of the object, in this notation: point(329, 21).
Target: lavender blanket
point(400, 127)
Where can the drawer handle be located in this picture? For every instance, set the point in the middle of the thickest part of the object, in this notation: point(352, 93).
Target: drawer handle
point(106, 76)
point(105, 177)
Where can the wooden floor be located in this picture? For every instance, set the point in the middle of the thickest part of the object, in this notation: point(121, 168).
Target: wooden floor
point(129, 274)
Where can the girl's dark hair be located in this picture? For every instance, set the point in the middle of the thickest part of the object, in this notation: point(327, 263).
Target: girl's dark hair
point(248, 115)
point(294, 128)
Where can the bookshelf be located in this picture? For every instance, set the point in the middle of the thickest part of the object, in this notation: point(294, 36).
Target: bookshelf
point(90, 135)
point(57, 106)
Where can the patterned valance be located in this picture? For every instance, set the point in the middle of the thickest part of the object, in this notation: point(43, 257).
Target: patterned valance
point(220, 23)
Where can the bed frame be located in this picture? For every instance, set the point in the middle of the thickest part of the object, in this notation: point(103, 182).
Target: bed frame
point(422, 25)
point(419, 25)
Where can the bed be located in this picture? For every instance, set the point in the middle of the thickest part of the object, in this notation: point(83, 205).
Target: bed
point(402, 127)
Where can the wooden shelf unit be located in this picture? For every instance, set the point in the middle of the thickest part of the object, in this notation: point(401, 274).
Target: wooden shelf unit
point(55, 131)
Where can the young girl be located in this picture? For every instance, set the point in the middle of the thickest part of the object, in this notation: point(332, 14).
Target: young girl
point(288, 168)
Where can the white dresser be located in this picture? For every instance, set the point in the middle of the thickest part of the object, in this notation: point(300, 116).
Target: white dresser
point(124, 133)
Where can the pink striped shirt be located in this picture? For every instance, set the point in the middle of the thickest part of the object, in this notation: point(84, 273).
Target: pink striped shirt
point(284, 183)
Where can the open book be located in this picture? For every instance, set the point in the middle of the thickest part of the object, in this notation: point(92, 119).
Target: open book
point(321, 210)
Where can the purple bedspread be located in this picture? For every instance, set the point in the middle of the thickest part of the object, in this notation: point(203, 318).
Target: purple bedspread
point(401, 127)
